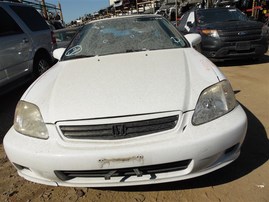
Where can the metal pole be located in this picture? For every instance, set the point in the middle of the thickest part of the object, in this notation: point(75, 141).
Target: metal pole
point(137, 7)
point(44, 9)
point(153, 6)
point(61, 13)
point(176, 10)
point(253, 8)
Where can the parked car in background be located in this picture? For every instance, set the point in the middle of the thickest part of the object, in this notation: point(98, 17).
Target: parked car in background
point(226, 33)
point(25, 45)
point(64, 36)
point(130, 102)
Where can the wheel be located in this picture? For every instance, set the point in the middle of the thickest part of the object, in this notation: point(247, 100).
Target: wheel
point(41, 64)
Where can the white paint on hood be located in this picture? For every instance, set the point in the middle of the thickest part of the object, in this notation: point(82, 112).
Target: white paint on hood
point(122, 84)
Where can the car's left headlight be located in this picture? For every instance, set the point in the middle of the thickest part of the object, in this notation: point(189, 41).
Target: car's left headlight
point(214, 102)
point(28, 121)
point(210, 32)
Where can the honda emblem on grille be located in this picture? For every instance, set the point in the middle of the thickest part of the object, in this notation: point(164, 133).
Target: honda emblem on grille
point(119, 130)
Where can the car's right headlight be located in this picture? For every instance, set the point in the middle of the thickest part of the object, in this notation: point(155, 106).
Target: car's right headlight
point(214, 102)
point(28, 120)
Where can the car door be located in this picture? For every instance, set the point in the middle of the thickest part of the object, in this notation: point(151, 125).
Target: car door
point(14, 51)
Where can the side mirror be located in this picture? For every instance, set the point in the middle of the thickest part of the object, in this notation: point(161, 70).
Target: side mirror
point(189, 24)
point(193, 39)
point(57, 53)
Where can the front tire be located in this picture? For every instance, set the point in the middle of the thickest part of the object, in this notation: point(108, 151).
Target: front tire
point(41, 64)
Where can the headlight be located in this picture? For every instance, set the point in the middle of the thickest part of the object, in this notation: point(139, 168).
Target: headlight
point(214, 102)
point(210, 32)
point(28, 121)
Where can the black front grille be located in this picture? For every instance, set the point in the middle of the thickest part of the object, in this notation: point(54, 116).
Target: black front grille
point(124, 172)
point(120, 130)
point(240, 35)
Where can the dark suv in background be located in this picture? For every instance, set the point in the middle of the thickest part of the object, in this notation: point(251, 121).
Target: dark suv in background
point(226, 33)
point(26, 45)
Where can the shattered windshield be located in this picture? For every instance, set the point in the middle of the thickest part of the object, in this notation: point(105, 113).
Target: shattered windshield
point(124, 35)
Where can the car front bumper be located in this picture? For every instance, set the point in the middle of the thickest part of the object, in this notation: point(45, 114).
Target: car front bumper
point(191, 151)
point(217, 50)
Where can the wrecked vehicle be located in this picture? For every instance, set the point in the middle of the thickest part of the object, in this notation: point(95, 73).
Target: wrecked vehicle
point(130, 102)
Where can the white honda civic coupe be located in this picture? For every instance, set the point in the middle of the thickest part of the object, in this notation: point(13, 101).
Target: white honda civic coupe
point(130, 102)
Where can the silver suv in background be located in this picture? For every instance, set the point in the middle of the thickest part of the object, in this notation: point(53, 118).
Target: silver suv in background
point(26, 45)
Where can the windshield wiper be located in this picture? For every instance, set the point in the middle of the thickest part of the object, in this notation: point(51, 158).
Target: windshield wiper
point(84, 56)
point(135, 50)
point(80, 56)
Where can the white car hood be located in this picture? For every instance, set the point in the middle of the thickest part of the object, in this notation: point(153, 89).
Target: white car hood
point(122, 85)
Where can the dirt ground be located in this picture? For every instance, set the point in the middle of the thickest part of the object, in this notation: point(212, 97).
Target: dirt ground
point(246, 179)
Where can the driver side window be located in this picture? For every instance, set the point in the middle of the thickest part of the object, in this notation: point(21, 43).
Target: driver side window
point(8, 25)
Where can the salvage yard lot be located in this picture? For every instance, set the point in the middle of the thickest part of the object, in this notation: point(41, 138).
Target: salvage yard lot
point(246, 179)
